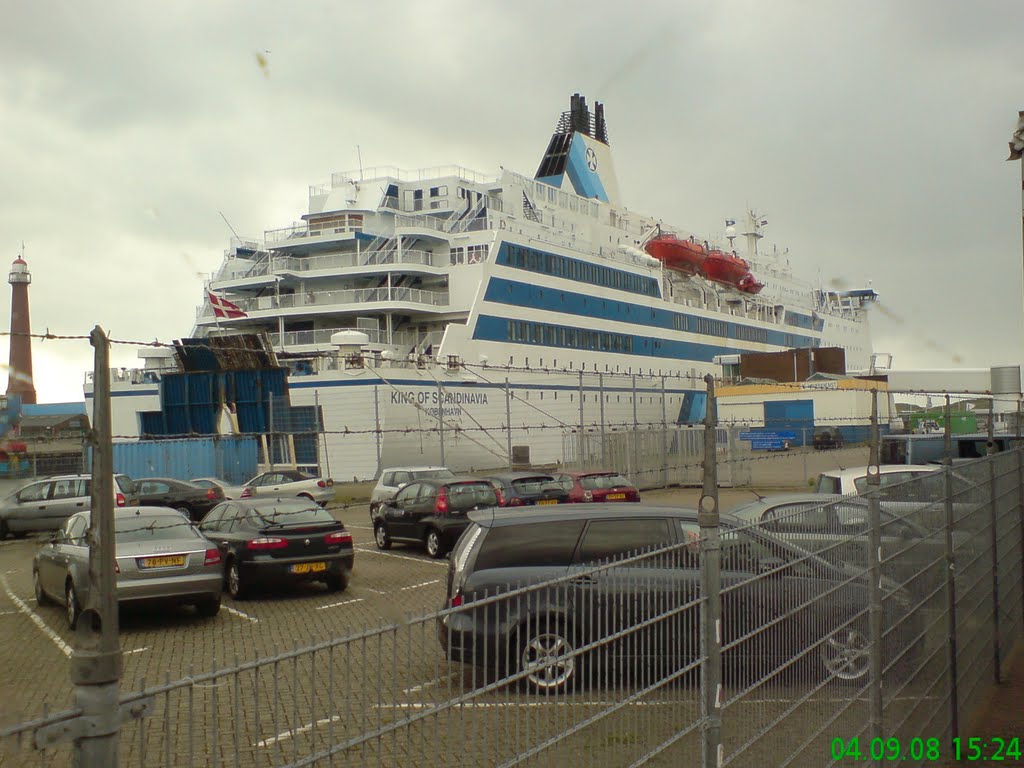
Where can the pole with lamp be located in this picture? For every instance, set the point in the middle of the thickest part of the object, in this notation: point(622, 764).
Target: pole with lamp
point(1017, 153)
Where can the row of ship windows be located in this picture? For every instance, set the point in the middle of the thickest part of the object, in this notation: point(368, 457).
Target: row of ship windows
point(574, 338)
point(580, 271)
point(604, 341)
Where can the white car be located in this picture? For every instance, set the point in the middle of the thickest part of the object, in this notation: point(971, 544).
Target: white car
point(290, 482)
point(394, 478)
point(855, 479)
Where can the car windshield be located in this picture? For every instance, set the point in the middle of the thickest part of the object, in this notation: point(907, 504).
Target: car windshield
point(281, 516)
point(528, 485)
point(133, 530)
point(828, 484)
point(596, 482)
point(463, 496)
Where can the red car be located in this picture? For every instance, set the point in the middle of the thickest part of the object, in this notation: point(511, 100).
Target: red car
point(598, 486)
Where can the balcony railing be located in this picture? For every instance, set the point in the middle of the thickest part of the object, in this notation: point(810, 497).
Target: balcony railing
point(322, 336)
point(391, 295)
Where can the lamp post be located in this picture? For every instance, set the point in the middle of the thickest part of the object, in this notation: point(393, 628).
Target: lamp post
point(1017, 153)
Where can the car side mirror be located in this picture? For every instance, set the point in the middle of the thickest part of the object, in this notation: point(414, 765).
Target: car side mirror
point(391, 503)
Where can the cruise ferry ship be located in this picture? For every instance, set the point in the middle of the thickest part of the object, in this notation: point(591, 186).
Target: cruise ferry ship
point(445, 315)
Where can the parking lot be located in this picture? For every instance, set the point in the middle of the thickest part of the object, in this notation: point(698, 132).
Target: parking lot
point(387, 679)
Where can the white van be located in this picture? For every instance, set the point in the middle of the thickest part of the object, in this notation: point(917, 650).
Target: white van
point(855, 479)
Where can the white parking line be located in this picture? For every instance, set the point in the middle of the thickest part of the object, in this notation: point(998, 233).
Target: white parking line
point(343, 602)
point(64, 647)
point(239, 614)
point(285, 735)
point(359, 527)
point(403, 557)
point(417, 586)
point(431, 683)
point(137, 650)
point(8, 613)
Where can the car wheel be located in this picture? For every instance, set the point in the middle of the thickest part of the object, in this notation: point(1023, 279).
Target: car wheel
point(71, 607)
point(184, 510)
point(380, 536)
point(337, 582)
point(433, 544)
point(41, 598)
point(209, 607)
point(305, 496)
point(236, 587)
point(539, 653)
point(373, 510)
point(845, 655)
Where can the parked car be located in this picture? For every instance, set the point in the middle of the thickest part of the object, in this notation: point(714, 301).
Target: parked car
point(827, 438)
point(159, 556)
point(228, 491)
point(780, 601)
point(189, 499)
point(597, 486)
point(523, 489)
point(855, 479)
point(431, 513)
point(270, 542)
point(838, 529)
point(393, 478)
point(290, 482)
point(45, 505)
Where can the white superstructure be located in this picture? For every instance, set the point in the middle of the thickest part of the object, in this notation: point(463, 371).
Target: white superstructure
point(467, 285)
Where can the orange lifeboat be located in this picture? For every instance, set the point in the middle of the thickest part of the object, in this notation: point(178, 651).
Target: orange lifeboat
point(749, 284)
point(725, 268)
point(682, 255)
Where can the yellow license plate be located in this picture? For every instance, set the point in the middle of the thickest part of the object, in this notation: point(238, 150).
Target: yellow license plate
point(548, 501)
point(163, 562)
point(309, 567)
point(615, 496)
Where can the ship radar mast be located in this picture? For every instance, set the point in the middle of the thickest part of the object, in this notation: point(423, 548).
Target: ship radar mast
point(755, 223)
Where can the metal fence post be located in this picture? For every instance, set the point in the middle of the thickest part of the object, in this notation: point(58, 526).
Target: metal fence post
point(378, 435)
point(951, 620)
point(600, 395)
point(1020, 501)
point(993, 522)
point(440, 418)
point(634, 460)
point(875, 577)
point(508, 421)
point(582, 437)
point(96, 663)
point(711, 586)
point(664, 435)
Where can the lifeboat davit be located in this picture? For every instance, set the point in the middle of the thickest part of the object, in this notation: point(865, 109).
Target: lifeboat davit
point(682, 255)
point(725, 268)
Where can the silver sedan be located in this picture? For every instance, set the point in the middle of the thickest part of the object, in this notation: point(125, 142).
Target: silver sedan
point(159, 556)
point(289, 482)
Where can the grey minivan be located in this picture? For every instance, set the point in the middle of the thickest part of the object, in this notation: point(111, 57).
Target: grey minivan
point(44, 505)
point(589, 582)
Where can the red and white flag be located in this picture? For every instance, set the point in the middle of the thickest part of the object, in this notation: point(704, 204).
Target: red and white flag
point(224, 308)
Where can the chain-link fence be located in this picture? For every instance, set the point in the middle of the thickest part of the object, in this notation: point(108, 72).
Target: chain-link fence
point(784, 634)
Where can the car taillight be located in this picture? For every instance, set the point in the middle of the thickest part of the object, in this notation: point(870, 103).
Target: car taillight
point(321, 484)
point(211, 494)
point(119, 498)
point(212, 557)
point(441, 504)
point(457, 600)
point(246, 492)
point(515, 501)
point(338, 537)
point(588, 495)
point(117, 568)
point(267, 542)
point(501, 499)
point(330, 483)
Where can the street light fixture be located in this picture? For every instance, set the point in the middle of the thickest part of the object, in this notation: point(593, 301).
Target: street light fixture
point(1017, 153)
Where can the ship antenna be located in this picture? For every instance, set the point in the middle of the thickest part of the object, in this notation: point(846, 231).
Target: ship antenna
point(230, 227)
point(360, 156)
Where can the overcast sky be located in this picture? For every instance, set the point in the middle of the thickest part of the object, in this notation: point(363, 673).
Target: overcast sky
point(871, 133)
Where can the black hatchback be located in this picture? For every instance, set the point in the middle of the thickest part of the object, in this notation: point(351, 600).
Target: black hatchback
point(526, 489)
point(270, 542)
point(624, 584)
point(431, 513)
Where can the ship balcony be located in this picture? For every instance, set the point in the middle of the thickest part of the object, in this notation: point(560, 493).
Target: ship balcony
point(330, 265)
point(320, 339)
point(326, 301)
